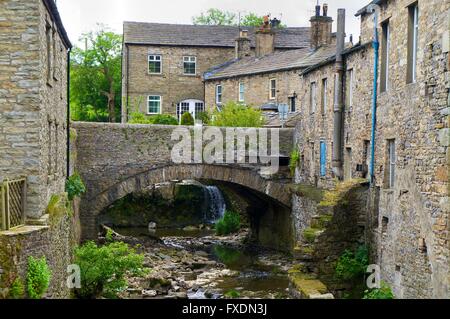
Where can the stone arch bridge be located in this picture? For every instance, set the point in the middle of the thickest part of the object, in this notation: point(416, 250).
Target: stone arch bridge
point(117, 159)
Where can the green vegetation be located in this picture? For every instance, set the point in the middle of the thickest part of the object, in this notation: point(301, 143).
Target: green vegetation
point(95, 70)
point(17, 289)
point(160, 119)
point(232, 294)
point(310, 234)
point(227, 255)
point(204, 117)
point(103, 268)
point(304, 190)
point(187, 119)
point(351, 266)
point(294, 161)
point(229, 224)
point(384, 292)
point(109, 235)
point(220, 17)
point(38, 277)
point(336, 195)
point(75, 186)
point(237, 115)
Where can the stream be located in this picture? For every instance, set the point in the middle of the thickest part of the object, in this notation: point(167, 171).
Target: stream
point(196, 264)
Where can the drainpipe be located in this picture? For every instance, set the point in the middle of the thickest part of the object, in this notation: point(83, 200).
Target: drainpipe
point(338, 96)
point(68, 113)
point(375, 9)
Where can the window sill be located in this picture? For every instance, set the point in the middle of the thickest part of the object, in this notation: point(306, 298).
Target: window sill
point(155, 74)
point(191, 75)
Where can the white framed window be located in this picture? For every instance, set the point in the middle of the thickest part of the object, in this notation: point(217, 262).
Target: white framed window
point(392, 158)
point(154, 64)
point(273, 89)
point(312, 97)
point(154, 104)
point(241, 92)
point(219, 92)
point(190, 65)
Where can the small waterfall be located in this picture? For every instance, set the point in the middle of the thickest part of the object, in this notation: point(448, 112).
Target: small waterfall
point(216, 204)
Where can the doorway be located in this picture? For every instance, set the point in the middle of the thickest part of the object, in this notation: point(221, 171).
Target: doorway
point(195, 107)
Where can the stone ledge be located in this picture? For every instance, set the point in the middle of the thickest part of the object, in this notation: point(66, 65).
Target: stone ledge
point(23, 230)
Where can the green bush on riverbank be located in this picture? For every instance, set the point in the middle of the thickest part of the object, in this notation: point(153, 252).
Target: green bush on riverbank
point(103, 268)
point(229, 224)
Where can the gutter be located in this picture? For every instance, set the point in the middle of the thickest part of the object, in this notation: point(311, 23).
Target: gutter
point(68, 112)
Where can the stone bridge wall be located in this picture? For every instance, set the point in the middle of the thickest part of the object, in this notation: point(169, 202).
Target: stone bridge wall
point(117, 159)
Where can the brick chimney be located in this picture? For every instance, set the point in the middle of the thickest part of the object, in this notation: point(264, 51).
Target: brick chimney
point(321, 28)
point(243, 46)
point(265, 39)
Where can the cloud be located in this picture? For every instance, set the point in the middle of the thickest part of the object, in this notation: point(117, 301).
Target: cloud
point(80, 16)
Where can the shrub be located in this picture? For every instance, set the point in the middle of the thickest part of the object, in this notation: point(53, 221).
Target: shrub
point(38, 277)
point(204, 117)
point(163, 119)
point(103, 268)
point(75, 186)
point(237, 115)
point(294, 162)
point(17, 289)
point(352, 265)
point(139, 118)
point(229, 224)
point(187, 119)
point(384, 292)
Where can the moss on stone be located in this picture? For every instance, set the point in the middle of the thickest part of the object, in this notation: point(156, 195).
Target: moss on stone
point(336, 195)
point(307, 284)
point(304, 190)
point(310, 234)
point(58, 207)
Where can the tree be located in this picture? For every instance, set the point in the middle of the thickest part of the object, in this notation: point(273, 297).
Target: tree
point(215, 17)
point(219, 17)
point(96, 76)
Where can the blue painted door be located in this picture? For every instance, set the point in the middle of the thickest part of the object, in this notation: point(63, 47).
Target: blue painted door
point(323, 158)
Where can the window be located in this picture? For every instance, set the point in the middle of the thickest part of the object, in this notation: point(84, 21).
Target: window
point(48, 35)
point(366, 157)
point(154, 104)
point(199, 108)
point(413, 36)
point(385, 45)
point(241, 92)
point(190, 65)
point(218, 94)
point(273, 89)
point(312, 159)
point(154, 64)
point(292, 101)
point(313, 97)
point(350, 82)
point(324, 100)
point(392, 157)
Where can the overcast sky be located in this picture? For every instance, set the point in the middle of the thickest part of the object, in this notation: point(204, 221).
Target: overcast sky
point(80, 16)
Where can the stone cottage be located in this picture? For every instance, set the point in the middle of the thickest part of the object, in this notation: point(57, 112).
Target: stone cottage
point(34, 50)
point(163, 64)
point(266, 79)
point(411, 183)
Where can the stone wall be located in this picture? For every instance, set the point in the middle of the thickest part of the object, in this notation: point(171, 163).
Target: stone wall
point(33, 99)
point(412, 216)
point(257, 89)
point(172, 85)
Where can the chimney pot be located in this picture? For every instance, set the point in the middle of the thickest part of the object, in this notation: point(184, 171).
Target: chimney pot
point(317, 11)
point(325, 10)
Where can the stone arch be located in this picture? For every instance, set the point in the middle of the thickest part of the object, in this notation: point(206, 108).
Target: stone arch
point(248, 177)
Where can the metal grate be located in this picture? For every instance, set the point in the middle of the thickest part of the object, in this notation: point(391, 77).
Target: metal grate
point(12, 203)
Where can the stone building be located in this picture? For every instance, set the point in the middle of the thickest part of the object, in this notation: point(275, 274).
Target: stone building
point(266, 80)
point(163, 64)
point(411, 184)
point(34, 131)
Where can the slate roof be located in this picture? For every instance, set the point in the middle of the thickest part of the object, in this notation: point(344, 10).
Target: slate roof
point(363, 10)
point(204, 35)
point(278, 61)
point(53, 9)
